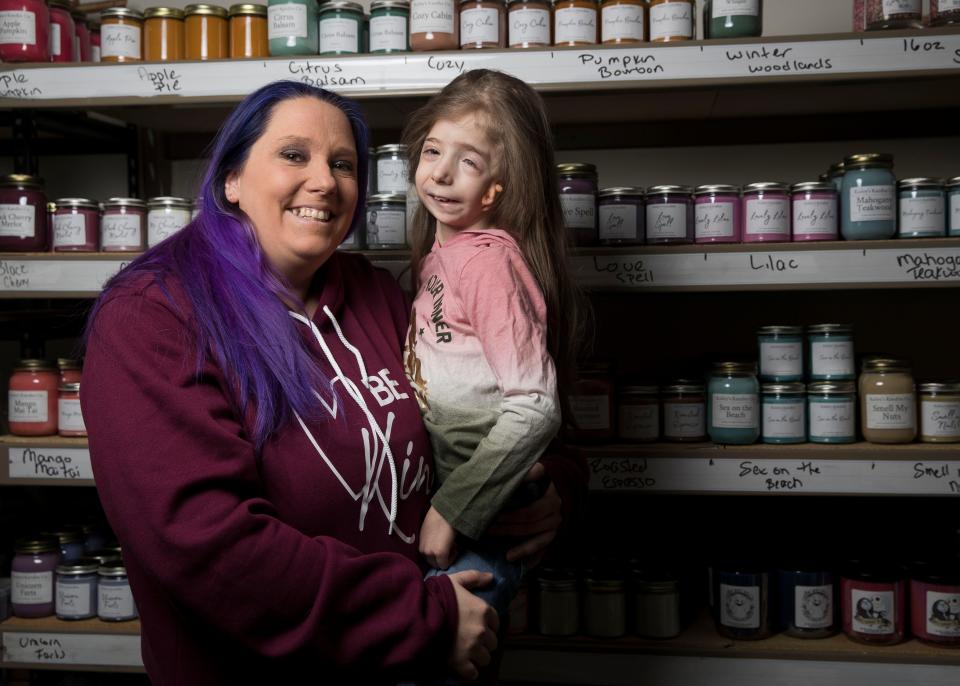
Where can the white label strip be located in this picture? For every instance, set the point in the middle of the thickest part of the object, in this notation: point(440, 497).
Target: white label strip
point(71, 276)
point(430, 72)
point(108, 650)
point(704, 475)
point(62, 464)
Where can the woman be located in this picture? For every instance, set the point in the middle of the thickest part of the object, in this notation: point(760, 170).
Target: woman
point(256, 446)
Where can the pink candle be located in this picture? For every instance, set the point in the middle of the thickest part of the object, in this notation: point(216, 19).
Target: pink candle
point(76, 225)
point(25, 37)
point(83, 38)
point(766, 212)
point(32, 399)
point(63, 32)
point(718, 214)
point(815, 214)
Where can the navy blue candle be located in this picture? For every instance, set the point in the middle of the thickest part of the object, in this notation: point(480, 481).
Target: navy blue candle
point(743, 601)
point(806, 598)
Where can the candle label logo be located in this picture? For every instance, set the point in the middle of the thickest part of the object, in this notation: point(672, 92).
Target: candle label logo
point(814, 607)
point(714, 220)
point(120, 40)
point(55, 39)
point(27, 406)
point(579, 210)
point(954, 212)
point(817, 217)
point(639, 422)
point(781, 359)
point(872, 204)
point(667, 220)
point(388, 33)
point(940, 419)
point(339, 35)
point(873, 612)
point(943, 614)
point(618, 222)
point(684, 420)
point(831, 419)
point(922, 215)
point(784, 420)
point(736, 8)
point(431, 16)
point(829, 359)
point(891, 411)
point(74, 599)
point(740, 606)
point(17, 220)
point(387, 227)
point(949, 6)
point(69, 230)
point(31, 588)
point(479, 25)
point(115, 601)
point(531, 27)
point(18, 27)
point(288, 20)
point(162, 224)
point(71, 419)
point(671, 20)
point(392, 176)
point(591, 412)
point(734, 411)
point(622, 22)
point(902, 6)
point(576, 25)
point(768, 216)
point(121, 231)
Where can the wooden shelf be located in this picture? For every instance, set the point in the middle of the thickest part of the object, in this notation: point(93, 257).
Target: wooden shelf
point(91, 644)
point(45, 461)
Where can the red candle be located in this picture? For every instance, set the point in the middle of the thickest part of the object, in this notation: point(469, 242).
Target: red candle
point(935, 604)
point(873, 603)
point(33, 399)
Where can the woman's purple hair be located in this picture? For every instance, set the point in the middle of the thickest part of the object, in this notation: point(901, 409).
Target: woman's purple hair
point(238, 299)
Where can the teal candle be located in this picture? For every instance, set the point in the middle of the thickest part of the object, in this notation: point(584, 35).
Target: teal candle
point(869, 198)
point(830, 355)
point(921, 205)
point(832, 411)
point(953, 196)
point(292, 27)
point(784, 412)
point(835, 176)
point(341, 28)
point(781, 353)
point(733, 18)
point(733, 403)
point(389, 26)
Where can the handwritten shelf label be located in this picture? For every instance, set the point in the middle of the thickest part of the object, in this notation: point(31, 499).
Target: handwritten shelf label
point(59, 464)
point(66, 275)
point(108, 650)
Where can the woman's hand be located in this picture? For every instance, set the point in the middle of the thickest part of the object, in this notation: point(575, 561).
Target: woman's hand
point(477, 626)
point(539, 522)
point(437, 540)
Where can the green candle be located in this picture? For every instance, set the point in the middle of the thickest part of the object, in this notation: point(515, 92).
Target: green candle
point(733, 18)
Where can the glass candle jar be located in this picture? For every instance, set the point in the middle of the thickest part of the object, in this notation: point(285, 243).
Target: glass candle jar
point(743, 598)
point(434, 25)
point(32, 399)
point(859, 16)
point(84, 46)
point(638, 414)
point(94, 41)
point(26, 31)
point(76, 589)
point(529, 23)
point(393, 169)
point(953, 195)
point(944, 12)
point(732, 18)
point(70, 418)
point(604, 604)
point(575, 22)
point(341, 28)
point(31, 577)
point(163, 34)
point(869, 198)
point(292, 27)
point(781, 353)
point(122, 227)
point(76, 225)
point(733, 403)
point(935, 604)
point(718, 212)
point(940, 412)
point(165, 216)
point(894, 14)
point(766, 210)
point(684, 412)
point(922, 208)
point(831, 353)
point(389, 26)
point(591, 405)
point(889, 413)
point(121, 35)
point(835, 174)
point(873, 602)
point(621, 216)
point(206, 33)
point(23, 214)
point(63, 31)
point(670, 216)
point(387, 221)
point(71, 370)
point(806, 594)
point(816, 214)
point(784, 412)
point(578, 199)
point(248, 31)
point(483, 24)
point(623, 22)
point(832, 411)
point(114, 598)
point(558, 602)
point(671, 20)
point(656, 605)
point(70, 543)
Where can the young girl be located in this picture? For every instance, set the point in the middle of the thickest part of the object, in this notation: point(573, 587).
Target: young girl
point(495, 308)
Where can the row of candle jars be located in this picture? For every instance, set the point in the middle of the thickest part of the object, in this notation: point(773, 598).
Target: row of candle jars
point(874, 15)
point(44, 399)
point(47, 31)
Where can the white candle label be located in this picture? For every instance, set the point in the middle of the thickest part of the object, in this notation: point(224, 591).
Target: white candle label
point(940, 419)
point(784, 420)
point(529, 26)
point(55, 39)
point(18, 220)
point(27, 406)
point(339, 35)
point(392, 176)
point(591, 412)
point(768, 216)
point(781, 359)
point(120, 40)
point(943, 614)
point(348, 242)
point(814, 607)
point(288, 20)
point(891, 411)
point(388, 33)
point(162, 224)
point(902, 6)
point(120, 230)
point(715, 220)
point(95, 52)
point(734, 411)
point(579, 210)
point(73, 600)
point(480, 25)
point(640, 422)
point(68, 230)
point(18, 27)
point(667, 220)
point(955, 209)
point(432, 16)
point(740, 606)
point(949, 5)
point(71, 419)
point(736, 8)
point(670, 20)
point(922, 215)
point(831, 358)
point(873, 612)
point(832, 419)
point(684, 420)
point(31, 588)
point(618, 222)
point(115, 602)
point(872, 203)
point(387, 227)
point(576, 25)
point(622, 22)
point(817, 217)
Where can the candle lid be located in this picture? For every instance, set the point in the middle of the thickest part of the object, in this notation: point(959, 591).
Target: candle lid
point(70, 387)
point(392, 147)
point(837, 168)
point(33, 365)
point(104, 556)
point(84, 203)
point(954, 182)
point(619, 190)
point(256, 10)
point(920, 182)
point(170, 201)
point(25, 180)
point(885, 364)
point(940, 387)
point(812, 186)
point(112, 567)
point(387, 197)
point(120, 13)
point(85, 565)
point(940, 573)
point(780, 330)
point(670, 190)
point(640, 390)
point(159, 12)
point(341, 5)
point(64, 535)
point(710, 189)
point(382, 4)
point(36, 544)
point(791, 388)
point(577, 169)
point(684, 386)
point(765, 186)
point(873, 159)
point(830, 328)
point(874, 570)
point(735, 367)
point(830, 387)
point(125, 202)
point(210, 10)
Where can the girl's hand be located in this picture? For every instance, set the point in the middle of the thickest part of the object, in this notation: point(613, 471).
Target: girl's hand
point(477, 626)
point(538, 522)
point(438, 540)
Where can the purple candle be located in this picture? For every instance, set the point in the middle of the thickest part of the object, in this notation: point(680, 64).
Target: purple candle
point(670, 214)
point(76, 225)
point(123, 226)
point(766, 209)
point(719, 215)
point(815, 214)
point(31, 591)
point(23, 214)
point(578, 199)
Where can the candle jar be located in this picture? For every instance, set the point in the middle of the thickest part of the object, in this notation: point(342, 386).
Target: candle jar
point(31, 577)
point(122, 226)
point(894, 14)
point(121, 34)
point(684, 412)
point(953, 193)
point(831, 354)
point(591, 405)
point(781, 353)
point(743, 599)
point(783, 408)
point(670, 217)
point(94, 41)
point(292, 27)
point(816, 215)
point(719, 216)
point(578, 200)
point(70, 370)
point(766, 209)
point(558, 602)
point(163, 34)
point(70, 418)
point(944, 12)
point(621, 216)
point(32, 399)
point(483, 24)
point(807, 608)
point(671, 20)
point(832, 411)
point(248, 31)
point(835, 174)
point(26, 31)
point(639, 414)
point(387, 221)
point(623, 22)
point(604, 604)
point(656, 605)
point(63, 31)
point(732, 18)
point(389, 22)
point(23, 214)
point(869, 198)
point(434, 25)
point(82, 41)
point(859, 16)
point(889, 412)
point(922, 208)
point(206, 33)
point(733, 403)
point(940, 412)
point(341, 28)
point(114, 598)
point(393, 169)
point(529, 23)
point(873, 602)
point(76, 589)
point(76, 225)
point(575, 22)
point(935, 604)
point(165, 216)
point(70, 543)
